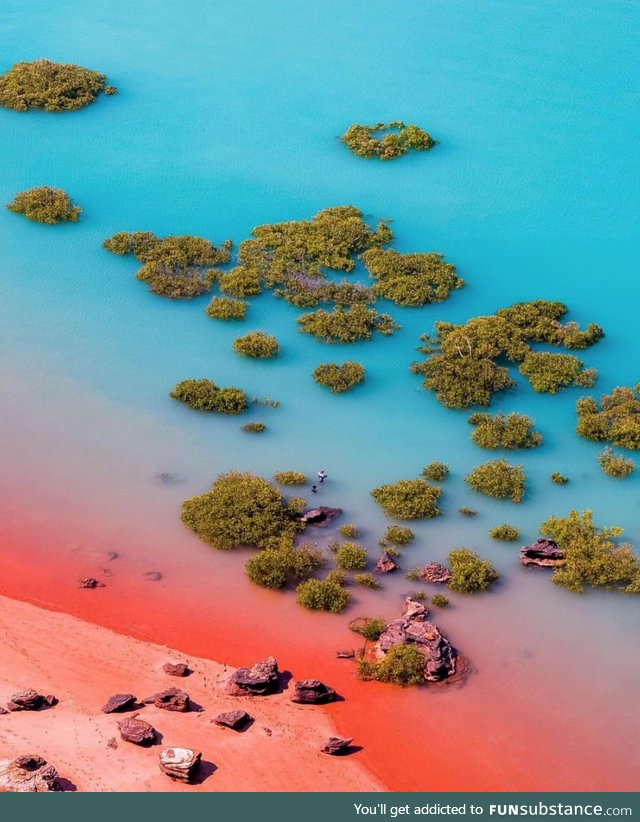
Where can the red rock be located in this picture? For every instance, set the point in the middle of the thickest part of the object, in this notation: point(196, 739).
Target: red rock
point(259, 680)
point(119, 702)
point(152, 576)
point(90, 582)
point(413, 608)
point(176, 669)
point(179, 763)
point(335, 745)
point(28, 700)
point(544, 552)
point(320, 516)
point(173, 699)
point(137, 731)
point(436, 573)
point(27, 774)
point(346, 654)
point(385, 564)
point(236, 720)
point(312, 692)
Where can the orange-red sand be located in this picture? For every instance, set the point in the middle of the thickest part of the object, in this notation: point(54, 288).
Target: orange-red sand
point(83, 664)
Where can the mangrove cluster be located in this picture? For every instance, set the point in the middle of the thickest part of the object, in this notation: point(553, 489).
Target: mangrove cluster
point(339, 377)
point(508, 431)
point(499, 479)
point(205, 395)
point(615, 419)
point(44, 204)
point(386, 141)
point(51, 86)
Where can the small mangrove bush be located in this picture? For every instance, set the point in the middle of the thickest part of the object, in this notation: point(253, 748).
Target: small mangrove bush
point(615, 465)
point(436, 471)
point(44, 204)
point(205, 395)
point(408, 499)
point(226, 308)
point(507, 533)
point(615, 418)
point(50, 86)
point(290, 478)
point(469, 573)
point(499, 479)
point(508, 431)
point(339, 377)
point(386, 141)
point(401, 665)
point(257, 344)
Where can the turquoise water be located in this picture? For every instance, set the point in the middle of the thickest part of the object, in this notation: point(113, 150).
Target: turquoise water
point(227, 117)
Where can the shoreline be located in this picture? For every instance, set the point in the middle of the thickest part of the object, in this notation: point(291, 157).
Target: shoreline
point(83, 664)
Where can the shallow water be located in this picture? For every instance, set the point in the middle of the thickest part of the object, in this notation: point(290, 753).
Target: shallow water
point(226, 118)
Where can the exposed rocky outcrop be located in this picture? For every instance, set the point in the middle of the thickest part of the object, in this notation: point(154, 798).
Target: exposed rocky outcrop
point(385, 564)
point(434, 572)
point(320, 516)
point(236, 720)
point(119, 702)
point(413, 608)
point(90, 582)
point(27, 774)
point(312, 692)
point(259, 680)
point(173, 699)
point(135, 730)
point(30, 700)
point(176, 669)
point(440, 657)
point(346, 654)
point(336, 745)
point(180, 764)
point(544, 552)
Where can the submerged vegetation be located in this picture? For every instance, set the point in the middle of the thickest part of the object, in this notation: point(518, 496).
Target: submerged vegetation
point(469, 573)
point(410, 279)
point(50, 86)
point(499, 479)
point(467, 364)
point(408, 499)
point(615, 465)
point(254, 427)
point(339, 377)
point(386, 141)
point(349, 531)
point(436, 471)
point(370, 628)
point(290, 478)
point(44, 204)
point(510, 431)
point(398, 535)
point(367, 580)
point(179, 267)
point(593, 559)
point(323, 594)
point(615, 419)
point(351, 557)
point(440, 600)
point(257, 344)
point(275, 567)
point(507, 533)
point(204, 395)
point(559, 478)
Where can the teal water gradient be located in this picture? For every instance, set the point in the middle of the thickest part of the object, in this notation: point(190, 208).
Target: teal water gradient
point(227, 117)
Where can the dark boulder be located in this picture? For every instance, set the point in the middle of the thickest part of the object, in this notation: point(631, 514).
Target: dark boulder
point(137, 731)
point(176, 669)
point(236, 720)
point(385, 564)
point(436, 573)
point(27, 774)
point(346, 654)
point(259, 680)
point(336, 746)
point(119, 702)
point(440, 657)
point(413, 608)
point(544, 552)
point(179, 763)
point(312, 692)
point(90, 582)
point(152, 576)
point(30, 700)
point(173, 699)
point(321, 516)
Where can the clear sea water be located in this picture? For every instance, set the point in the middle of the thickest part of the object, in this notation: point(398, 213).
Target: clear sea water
point(228, 116)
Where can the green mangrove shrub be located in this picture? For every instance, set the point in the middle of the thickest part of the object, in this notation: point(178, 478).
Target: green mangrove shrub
point(548, 373)
point(615, 465)
point(507, 533)
point(559, 478)
point(436, 471)
point(398, 535)
point(386, 141)
point(408, 499)
point(510, 431)
point(615, 418)
point(226, 308)
point(410, 280)
point(257, 344)
point(593, 558)
point(241, 509)
point(346, 325)
point(371, 628)
point(323, 595)
point(44, 204)
point(401, 665)
point(440, 600)
point(367, 580)
point(499, 479)
point(465, 511)
point(290, 478)
point(469, 573)
point(254, 427)
point(349, 531)
point(205, 395)
point(275, 567)
point(339, 377)
point(50, 86)
point(351, 557)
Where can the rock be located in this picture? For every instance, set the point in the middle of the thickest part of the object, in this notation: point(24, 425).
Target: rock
point(112, 743)
point(544, 552)
point(152, 576)
point(176, 669)
point(119, 702)
point(90, 582)
point(312, 692)
point(335, 745)
point(385, 564)
point(179, 763)
point(137, 731)
point(321, 516)
point(434, 572)
point(29, 700)
point(173, 699)
point(440, 657)
point(27, 774)
point(347, 654)
point(413, 608)
point(259, 680)
point(3, 710)
point(236, 720)
point(111, 555)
